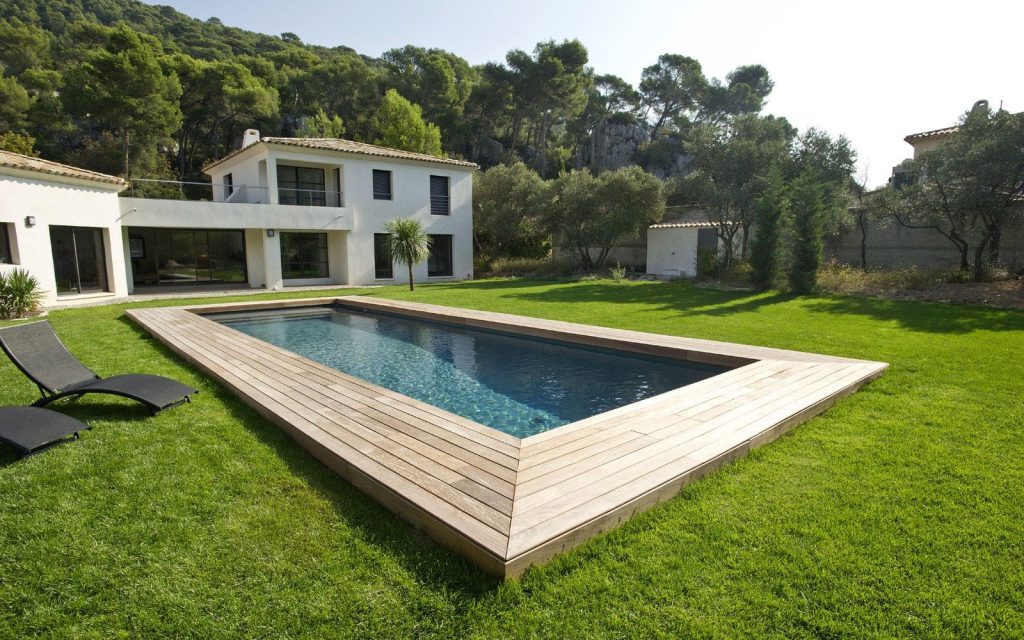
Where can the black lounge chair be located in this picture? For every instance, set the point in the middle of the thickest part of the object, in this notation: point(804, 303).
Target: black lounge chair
point(31, 429)
point(41, 356)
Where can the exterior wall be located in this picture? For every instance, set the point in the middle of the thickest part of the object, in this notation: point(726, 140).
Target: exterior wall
point(896, 246)
point(351, 255)
point(60, 202)
point(672, 251)
point(923, 146)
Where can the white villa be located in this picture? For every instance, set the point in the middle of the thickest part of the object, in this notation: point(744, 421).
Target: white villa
point(284, 212)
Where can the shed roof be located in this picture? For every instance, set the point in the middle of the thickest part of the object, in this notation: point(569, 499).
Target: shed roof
point(689, 224)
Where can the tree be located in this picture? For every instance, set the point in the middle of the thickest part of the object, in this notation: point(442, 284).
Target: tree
point(969, 189)
point(671, 86)
point(18, 143)
point(807, 203)
point(588, 213)
point(129, 88)
point(507, 206)
point(399, 124)
point(770, 213)
point(406, 243)
point(733, 166)
point(14, 104)
point(320, 125)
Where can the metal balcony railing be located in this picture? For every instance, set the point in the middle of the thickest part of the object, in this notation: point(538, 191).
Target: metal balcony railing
point(242, 193)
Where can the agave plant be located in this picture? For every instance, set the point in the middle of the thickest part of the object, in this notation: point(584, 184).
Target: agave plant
point(19, 293)
point(407, 243)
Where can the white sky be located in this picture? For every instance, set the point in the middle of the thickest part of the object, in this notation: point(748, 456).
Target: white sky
point(872, 70)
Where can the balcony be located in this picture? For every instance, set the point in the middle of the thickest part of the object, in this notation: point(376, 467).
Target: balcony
point(185, 205)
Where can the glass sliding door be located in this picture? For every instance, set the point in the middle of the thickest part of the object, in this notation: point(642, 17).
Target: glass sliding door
point(187, 256)
point(79, 259)
point(304, 255)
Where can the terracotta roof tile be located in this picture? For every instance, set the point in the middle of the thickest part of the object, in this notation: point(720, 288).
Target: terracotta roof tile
point(682, 225)
point(28, 163)
point(350, 146)
point(935, 133)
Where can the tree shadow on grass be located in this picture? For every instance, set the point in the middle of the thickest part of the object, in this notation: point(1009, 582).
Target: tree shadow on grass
point(688, 300)
point(374, 524)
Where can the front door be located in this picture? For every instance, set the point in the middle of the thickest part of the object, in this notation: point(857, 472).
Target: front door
point(79, 263)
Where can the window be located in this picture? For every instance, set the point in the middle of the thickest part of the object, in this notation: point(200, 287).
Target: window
point(381, 184)
point(439, 200)
point(162, 257)
point(229, 186)
point(6, 257)
point(383, 266)
point(79, 259)
point(304, 255)
point(439, 264)
point(301, 185)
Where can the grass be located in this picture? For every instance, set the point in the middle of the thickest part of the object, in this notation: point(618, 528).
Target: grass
point(897, 513)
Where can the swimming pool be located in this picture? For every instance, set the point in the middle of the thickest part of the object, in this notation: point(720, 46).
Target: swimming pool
point(517, 384)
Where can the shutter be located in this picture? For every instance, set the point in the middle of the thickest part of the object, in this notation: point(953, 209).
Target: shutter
point(439, 205)
point(381, 184)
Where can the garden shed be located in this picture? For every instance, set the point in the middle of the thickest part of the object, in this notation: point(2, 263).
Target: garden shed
point(672, 247)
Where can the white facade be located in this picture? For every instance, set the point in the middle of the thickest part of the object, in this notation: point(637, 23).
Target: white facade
point(236, 239)
point(672, 249)
point(31, 202)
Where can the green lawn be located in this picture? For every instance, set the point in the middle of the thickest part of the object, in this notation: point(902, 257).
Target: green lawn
point(897, 513)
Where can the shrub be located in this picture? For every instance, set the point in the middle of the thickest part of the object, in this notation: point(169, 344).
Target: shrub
point(707, 263)
point(531, 268)
point(19, 293)
point(618, 272)
point(769, 220)
point(807, 203)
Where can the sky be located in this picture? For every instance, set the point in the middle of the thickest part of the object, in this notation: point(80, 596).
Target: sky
point(874, 71)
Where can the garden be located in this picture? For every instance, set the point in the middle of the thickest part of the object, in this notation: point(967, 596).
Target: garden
point(894, 514)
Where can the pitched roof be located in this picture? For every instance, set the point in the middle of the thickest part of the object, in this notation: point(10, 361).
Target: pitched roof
point(691, 224)
point(349, 146)
point(930, 135)
point(28, 163)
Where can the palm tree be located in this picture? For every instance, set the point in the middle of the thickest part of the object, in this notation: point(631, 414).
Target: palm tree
point(407, 243)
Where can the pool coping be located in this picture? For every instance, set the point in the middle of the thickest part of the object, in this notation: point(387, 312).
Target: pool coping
point(507, 503)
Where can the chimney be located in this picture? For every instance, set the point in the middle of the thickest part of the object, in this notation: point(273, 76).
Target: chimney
point(251, 136)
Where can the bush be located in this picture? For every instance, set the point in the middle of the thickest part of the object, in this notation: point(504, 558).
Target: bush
point(531, 268)
point(618, 272)
point(845, 279)
point(707, 263)
point(19, 294)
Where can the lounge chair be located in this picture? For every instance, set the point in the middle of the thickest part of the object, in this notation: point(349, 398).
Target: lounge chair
point(41, 356)
point(31, 429)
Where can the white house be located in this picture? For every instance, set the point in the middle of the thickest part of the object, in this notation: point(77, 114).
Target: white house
point(284, 212)
point(61, 224)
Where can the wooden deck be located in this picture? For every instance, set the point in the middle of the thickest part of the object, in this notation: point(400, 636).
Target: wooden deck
point(507, 503)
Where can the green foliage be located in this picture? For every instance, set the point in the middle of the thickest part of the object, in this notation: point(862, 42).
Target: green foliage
point(320, 125)
point(587, 214)
point(18, 143)
point(807, 202)
point(770, 212)
point(399, 124)
point(20, 293)
point(508, 202)
point(707, 263)
point(618, 272)
point(127, 87)
point(14, 104)
point(22, 47)
point(545, 268)
point(407, 243)
point(969, 189)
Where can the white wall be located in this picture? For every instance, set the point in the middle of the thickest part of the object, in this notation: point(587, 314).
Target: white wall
point(60, 202)
point(351, 255)
point(672, 251)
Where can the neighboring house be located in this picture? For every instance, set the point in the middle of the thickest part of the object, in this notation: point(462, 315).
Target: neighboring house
point(285, 212)
point(896, 245)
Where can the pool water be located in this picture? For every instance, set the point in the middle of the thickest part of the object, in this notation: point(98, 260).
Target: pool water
point(519, 385)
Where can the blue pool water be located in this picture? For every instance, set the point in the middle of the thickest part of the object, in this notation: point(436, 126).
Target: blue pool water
point(515, 384)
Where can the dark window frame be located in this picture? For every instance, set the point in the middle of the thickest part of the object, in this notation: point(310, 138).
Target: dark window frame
point(302, 192)
point(6, 254)
point(381, 195)
point(383, 265)
point(440, 204)
point(434, 269)
point(323, 266)
point(229, 185)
